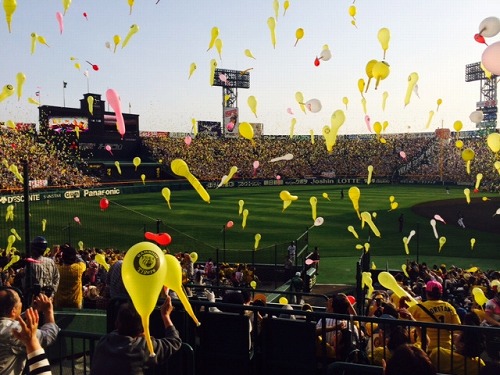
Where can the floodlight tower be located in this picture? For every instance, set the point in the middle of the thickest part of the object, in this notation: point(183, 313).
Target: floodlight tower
point(487, 96)
point(230, 81)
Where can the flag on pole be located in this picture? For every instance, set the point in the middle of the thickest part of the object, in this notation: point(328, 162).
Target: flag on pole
point(65, 84)
point(37, 93)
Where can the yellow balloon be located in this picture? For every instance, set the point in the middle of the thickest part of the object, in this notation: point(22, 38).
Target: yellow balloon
point(166, 194)
point(479, 177)
point(370, 172)
point(385, 95)
point(345, 100)
point(369, 72)
point(479, 296)
point(283, 301)
point(271, 23)
point(252, 103)
point(80, 245)
point(100, 259)
point(117, 165)
point(472, 243)
point(116, 40)
point(248, 53)
point(459, 144)
point(299, 34)
point(180, 168)
point(241, 203)
point(468, 154)
point(246, 130)
point(194, 256)
point(438, 102)
point(391, 198)
point(257, 240)
point(325, 195)
point(380, 72)
point(136, 161)
point(143, 178)
point(457, 125)
point(442, 241)
point(144, 264)
point(313, 201)
point(218, 47)
point(351, 229)
point(8, 90)
point(361, 86)
point(467, 195)
point(299, 97)
point(366, 280)
point(286, 204)
point(253, 284)
point(384, 36)
point(133, 29)
point(245, 216)
point(173, 280)
point(20, 78)
point(407, 249)
point(9, 6)
point(388, 281)
point(403, 267)
point(214, 33)
point(213, 66)
point(359, 247)
point(286, 196)
point(367, 218)
point(412, 81)
point(354, 195)
point(13, 260)
point(232, 171)
point(130, 4)
point(394, 205)
point(493, 141)
point(192, 68)
point(377, 128)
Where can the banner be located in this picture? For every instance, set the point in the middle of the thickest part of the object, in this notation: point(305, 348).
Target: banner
point(231, 122)
point(209, 129)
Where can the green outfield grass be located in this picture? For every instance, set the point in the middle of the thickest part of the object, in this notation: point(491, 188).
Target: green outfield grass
point(197, 226)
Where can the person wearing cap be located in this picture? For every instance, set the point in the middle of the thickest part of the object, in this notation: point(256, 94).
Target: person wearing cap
point(297, 286)
point(42, 274)
point(435, 310)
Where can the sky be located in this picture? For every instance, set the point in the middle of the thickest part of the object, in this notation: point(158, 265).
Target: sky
point(432, 38)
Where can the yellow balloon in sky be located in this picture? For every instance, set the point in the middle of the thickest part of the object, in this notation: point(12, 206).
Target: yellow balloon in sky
point(286, 4)
point(241, 204)
point(369, 72)
point(457, 125)
point(133, 30)
point(493, 142)
point(361, 86)
point(363, 103)
point(131, 5)
point(377, 128)
point(345, 100)
point(214, 33)
point(90, 104)
point(385, 95)
point(271, 23)
point(144, 264)
point(143, 178)
point(180, 168)
point(136, 161)
point(438, 102)
point(276, 7)
point(299, 34)
point(20, 78)
point(213, 66)
point(192, 68)
point(246, 131)
point(8, 90)
point(299, 97)
point(384, 36)
point(173, 280)
point(380, 72)
point(248, 53)
point(9, 6)
point(313, 201)
point(257, 240)
point(412, 81)
point(166, 194)
point(352, 11)
point(116, 40)
point(252, 103)
point(218, 47)
point(292, 127)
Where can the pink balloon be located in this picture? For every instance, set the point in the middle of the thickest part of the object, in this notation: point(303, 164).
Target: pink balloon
point(108, 149)
point(77, 219)
point(367, 122)
point(229, 224)
point(290, 111)
point(114, 101)
point(256, 164)
point(402, 154)
point(491, 58)
point(188, 140)
point(309, 262)
point(230, 126)
point(438, 217)
point(278, 177)
point(60, 21)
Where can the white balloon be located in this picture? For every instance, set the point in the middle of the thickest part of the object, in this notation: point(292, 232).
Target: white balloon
point(313, 105)
point(325, 55)
point(491, 58)
point(319, 221)
point(476, 116)
point(489, 27)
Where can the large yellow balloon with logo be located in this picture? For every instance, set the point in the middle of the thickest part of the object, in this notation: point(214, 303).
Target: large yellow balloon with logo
point(173, 280)
point(144, 264)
